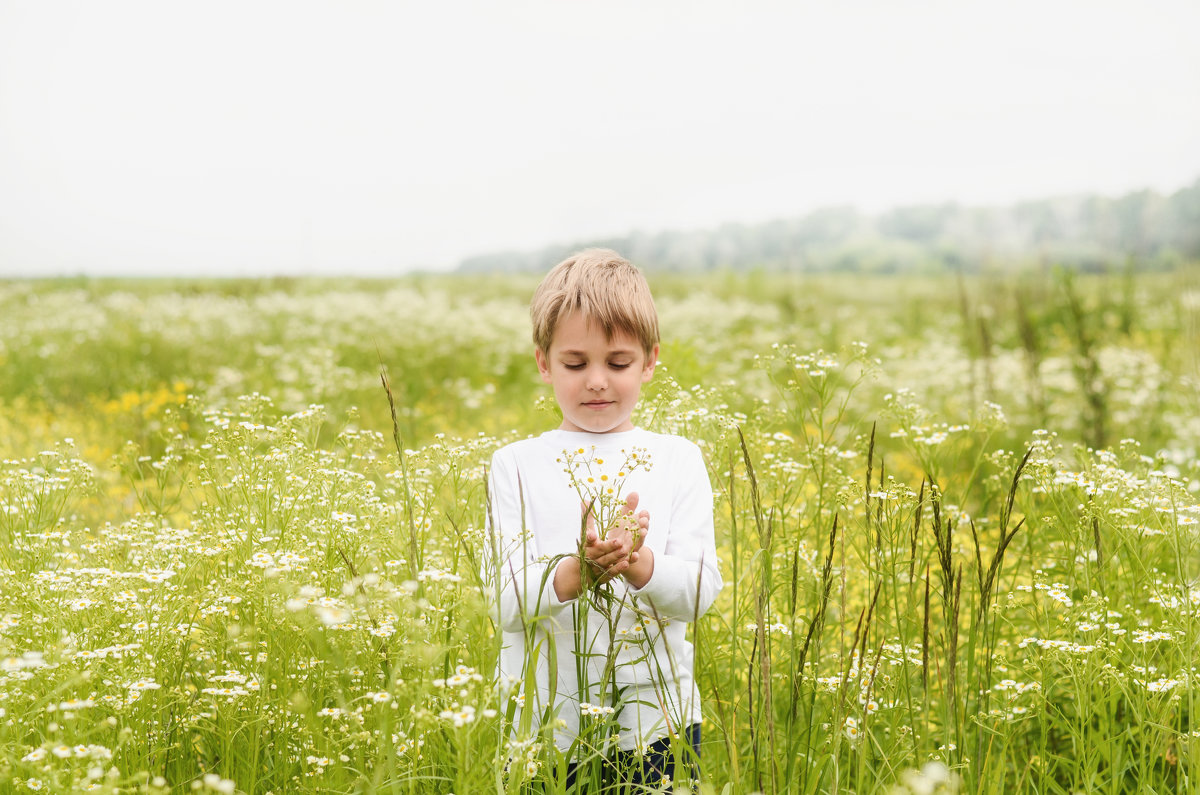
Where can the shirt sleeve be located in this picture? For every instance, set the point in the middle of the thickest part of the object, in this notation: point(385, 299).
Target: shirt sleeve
point(522, 582)
point(686, 577)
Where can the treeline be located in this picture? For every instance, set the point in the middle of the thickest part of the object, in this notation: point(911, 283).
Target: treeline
point(1091, 233)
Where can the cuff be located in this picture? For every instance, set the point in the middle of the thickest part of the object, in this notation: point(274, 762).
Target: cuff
point(664, 581)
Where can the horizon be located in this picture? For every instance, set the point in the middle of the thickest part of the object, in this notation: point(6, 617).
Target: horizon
point(455, 268)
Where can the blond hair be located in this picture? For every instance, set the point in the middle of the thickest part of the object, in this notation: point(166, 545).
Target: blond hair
point(604, 288)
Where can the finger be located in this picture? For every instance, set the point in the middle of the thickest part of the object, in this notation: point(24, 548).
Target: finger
point(611, 562)
point(614, 553)
point(631, 502)
point(608, 569)
point(605, 546)
point(641, 527)
point(638, 522)
point(620, 547)
point(609, 549)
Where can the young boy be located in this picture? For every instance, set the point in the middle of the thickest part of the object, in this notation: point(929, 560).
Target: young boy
point(603, 535)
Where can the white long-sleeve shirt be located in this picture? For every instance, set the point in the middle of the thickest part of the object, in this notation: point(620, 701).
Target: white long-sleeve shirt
point(535, 516)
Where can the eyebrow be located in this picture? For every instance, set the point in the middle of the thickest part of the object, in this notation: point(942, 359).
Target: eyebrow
point(617, 352)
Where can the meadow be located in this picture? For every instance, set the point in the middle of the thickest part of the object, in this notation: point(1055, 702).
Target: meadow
point(958, 520)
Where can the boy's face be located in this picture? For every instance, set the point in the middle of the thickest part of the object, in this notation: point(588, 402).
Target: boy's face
point(596, 380)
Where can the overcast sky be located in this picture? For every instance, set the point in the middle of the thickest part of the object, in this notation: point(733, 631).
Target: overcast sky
point(282, 136)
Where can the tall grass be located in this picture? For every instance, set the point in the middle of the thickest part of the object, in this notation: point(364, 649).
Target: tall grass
point(252, 569)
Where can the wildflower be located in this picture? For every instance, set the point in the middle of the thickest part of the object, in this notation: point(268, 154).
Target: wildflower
point(142, 685)
point(594, 710)
point(287, 561)
point(1059, 595)
point(217, 784)
point(30, 659)
point(933, 777)
point(459, 716)
point(436, 575)
point(1164, 685)
point(332, 616)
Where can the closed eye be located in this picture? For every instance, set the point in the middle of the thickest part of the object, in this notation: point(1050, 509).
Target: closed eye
point(574, 366)
point(616, 366)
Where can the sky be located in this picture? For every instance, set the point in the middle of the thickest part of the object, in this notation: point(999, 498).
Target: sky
point(256, 137)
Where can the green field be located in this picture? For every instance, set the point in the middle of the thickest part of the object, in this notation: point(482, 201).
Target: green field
point(959, 521)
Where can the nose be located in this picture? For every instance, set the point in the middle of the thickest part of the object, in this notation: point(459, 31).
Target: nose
point(596, 380)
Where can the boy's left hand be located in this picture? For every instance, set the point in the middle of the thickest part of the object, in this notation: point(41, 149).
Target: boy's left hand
point(613, 555)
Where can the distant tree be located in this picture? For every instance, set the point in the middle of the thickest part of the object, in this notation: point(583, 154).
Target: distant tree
point(1086, 232)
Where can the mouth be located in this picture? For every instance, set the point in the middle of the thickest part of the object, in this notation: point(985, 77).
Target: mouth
point(598, 404)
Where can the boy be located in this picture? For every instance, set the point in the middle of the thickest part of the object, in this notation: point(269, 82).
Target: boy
point(603, 535)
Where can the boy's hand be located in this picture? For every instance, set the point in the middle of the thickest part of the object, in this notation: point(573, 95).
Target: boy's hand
point(612, 556)
point(641, 561)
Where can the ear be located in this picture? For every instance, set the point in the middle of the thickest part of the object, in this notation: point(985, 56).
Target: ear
point(651, 361)
point(543, 364)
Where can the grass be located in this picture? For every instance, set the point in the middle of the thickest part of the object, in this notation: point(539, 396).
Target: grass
point(958, 523)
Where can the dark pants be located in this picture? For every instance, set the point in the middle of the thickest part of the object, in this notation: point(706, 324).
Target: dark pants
point(630, 772)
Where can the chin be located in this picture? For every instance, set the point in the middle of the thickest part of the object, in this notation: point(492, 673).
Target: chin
point(597, 427)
